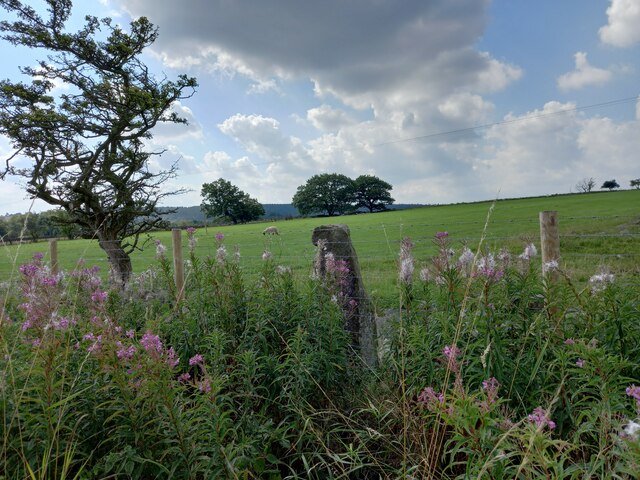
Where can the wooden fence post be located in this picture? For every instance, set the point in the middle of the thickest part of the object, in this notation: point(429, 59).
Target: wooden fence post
point(550, 244)
point(53, 256)
point(178, 263)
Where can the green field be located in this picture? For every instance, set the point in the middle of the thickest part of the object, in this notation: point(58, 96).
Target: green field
point(598, 230)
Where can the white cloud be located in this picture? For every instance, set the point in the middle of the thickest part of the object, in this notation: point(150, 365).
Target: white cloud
point(623, 29)
point(547, 151)
point(328, 119)
point(465, 107)
point(584, 75)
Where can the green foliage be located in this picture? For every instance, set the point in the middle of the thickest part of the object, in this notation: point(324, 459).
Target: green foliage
point(221, 199)
point(635, 183)
point(329, 193)
point(610, 184)
point(372, 193)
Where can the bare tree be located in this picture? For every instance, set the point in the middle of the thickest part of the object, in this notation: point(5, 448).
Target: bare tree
point(586, 185)
point(86, 147)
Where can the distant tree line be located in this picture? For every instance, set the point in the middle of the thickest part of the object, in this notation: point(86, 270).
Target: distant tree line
point(36, 226)
point(586, 185)
point(326, 193)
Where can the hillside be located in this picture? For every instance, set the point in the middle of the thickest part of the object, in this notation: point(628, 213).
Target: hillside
point(184, 215)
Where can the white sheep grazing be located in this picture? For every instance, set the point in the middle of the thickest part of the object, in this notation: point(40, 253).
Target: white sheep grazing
point(271, 231)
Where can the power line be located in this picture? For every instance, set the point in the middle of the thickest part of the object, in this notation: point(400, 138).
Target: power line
point(515, 120)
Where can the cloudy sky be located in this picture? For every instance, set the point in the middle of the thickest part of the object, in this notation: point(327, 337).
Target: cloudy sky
point(448, 100)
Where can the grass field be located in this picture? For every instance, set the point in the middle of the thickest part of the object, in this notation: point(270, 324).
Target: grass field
point(598, 230)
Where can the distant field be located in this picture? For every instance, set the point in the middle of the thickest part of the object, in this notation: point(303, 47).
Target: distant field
point(597, 230)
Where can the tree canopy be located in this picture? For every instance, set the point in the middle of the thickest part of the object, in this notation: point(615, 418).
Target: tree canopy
point(372, 193)
point(221, 199)
point(610, 184)
point(635, 183)
point(329, 193)
point(87, 145)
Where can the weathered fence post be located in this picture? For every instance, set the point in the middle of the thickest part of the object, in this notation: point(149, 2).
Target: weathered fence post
point(178, 263)
point(53, 256)
point(359, 316)
point(549, 244)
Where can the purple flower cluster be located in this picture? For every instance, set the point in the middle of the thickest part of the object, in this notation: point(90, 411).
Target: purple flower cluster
point(634, 392)
point(151, 344)
point(42, 296)
point(451, 353)
point(125, 353)
point(99, 296)
point(197, 359)
point(490, 388)
point(541, 419)
point(430, 398)
point(487, 268)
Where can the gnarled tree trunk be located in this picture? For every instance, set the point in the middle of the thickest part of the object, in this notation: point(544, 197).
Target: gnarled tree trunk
point(119, 260)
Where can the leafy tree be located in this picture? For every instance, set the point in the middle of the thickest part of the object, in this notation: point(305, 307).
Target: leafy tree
point(224, 200)
point(86, 146)
point(610, 184)
point(327, 192)
point(586, 185)
point(635, 183)
point(372, 193)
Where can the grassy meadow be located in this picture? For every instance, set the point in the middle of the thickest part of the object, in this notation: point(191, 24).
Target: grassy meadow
point(598, 230)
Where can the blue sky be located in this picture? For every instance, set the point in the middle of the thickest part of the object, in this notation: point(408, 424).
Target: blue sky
point(291, 88)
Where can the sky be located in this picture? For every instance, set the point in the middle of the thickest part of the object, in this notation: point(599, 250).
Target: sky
point(447, 100)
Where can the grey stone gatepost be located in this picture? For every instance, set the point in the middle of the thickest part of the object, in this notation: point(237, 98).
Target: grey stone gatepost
point(359, 315)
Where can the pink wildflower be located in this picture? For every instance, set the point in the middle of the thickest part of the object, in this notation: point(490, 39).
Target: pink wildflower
point(441, 235)
point(151, 343)
point(430, 398)
point(197, 359)
point(219, 237)
point(580, 363)
point(451, 353)
point(205, 385)
point(634, 392)
point(125, 353)
point(569, 341)
point(172, 358)
point(490, 388)
point(99, 296)
point(541, 418)
point(185, 377)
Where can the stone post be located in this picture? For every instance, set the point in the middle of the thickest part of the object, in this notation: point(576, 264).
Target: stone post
point(359, 316)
